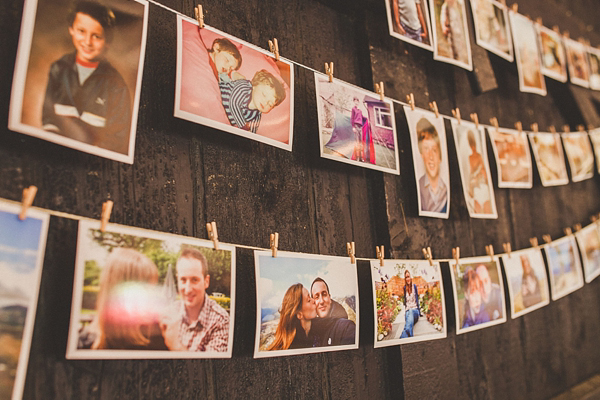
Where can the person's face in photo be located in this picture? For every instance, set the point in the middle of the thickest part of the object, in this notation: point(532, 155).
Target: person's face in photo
point(309, 308)
point(225, 62)
point(430, 151)
point(88, 38)
point(264, 97)
point(407, 279)
point(486, 282)
point(322, 299)
point(191, 282)
point(474, 296)
point(355, 102)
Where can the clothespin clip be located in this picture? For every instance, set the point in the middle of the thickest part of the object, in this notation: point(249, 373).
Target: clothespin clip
point(534, 242)
point(507, 248)
point(566, 34)
point(433, 106)
point(556, 29)
point(552, 129)
point(494, 121)
point(590, 127)
point(538, 20)
point(456, 254)
point(379, 90)
point(379, 251)
point(489, 249)
point(581, 128)
point(515, 8)
point(568, 231)
point(350, 249)
point(211, 228)
point(475, 119)
point(410, 98)
point(107, 207)
point(428, 256)
point(456, 114)
point(329, 70)
point(27, 200)
point(274, 48)
point(274, 243)
point(519, 126)
point(577, 227)
point(566, 128)
point(199, 13)
point(547, 238)
point(534, 127)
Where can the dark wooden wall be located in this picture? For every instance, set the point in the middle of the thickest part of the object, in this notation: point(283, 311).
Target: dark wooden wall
point(185, 175)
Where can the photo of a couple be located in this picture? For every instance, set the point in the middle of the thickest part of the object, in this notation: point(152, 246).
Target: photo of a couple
point(306, 304)
point(233, 86)
point(143, 294)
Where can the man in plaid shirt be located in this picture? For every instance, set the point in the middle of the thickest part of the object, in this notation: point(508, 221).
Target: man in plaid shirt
point(199, 323)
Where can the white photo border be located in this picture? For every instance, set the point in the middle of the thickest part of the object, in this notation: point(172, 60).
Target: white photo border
point(480, 42)
point(534, 146)
point(558, 295)
point(468, 66)
point(522, 87)
point(501, 183)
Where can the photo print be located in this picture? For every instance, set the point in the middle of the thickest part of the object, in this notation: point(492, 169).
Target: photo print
point(478, 293)
point(430, 159)
point(450, 33)
point(22, 247)
point(491, 27)
point(513, 158)
point(580, 155)
point(408, 20)
point(588, 240)
point(595, 137)
point(244, 90)
point(578, 63)
point(78, 74)
point(409, 302)
point(527, 53)
point(306, 304)
point(141, 294)
point(471, 151)
point(564, 266)
point(355, 126)
point(554, 57)
point(594, 60)
point(549, 157)
point(527, 281)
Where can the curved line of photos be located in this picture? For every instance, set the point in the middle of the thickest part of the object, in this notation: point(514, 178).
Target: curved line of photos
point(89, 100)
point(141, 294)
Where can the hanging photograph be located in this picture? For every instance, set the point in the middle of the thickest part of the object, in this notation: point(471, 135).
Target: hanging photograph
point(408, 20)
point(513, 158)
point(578, 63)
point(471, 151)
point(478, 293)
point(305, 304)
point(234, 86)
point(564, 266)
point(588, 240)
point(550, 158)
point(580, 155)
point(140, 294)
point(22, 247)
point(409, 302)
point(450, 33)
point(430, 159)
point(355, 126)
point(594, 60)
point(595, 137)
point(491, 27)
point(78, 74)
point(527, 53)
point(527, 281)
point(554, 57)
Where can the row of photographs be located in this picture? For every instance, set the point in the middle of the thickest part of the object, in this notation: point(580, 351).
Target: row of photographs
point(145, 294)
point(83, 91)
point(539, 51)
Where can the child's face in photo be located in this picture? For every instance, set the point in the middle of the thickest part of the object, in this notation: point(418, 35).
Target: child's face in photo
point(224, 61)
point(474, 298)
point(264, 98)
point(431, 157)
point(88, 37)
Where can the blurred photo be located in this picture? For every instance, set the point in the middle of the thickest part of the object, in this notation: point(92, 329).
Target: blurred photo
point(554, 57)
point(580, 155)
point(578, 62)
point(513, 158)
point(549, 157)
point(408, 20)
point(594, 60)
point(450, 33)
point(595, 138)
point(588, 240)
point(527, 53)
point(491, 27)
point(564, 266)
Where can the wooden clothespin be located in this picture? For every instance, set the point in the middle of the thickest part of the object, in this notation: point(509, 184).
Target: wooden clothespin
point(566, 34)
point(456, 254)
point(519, 126)
point(107, 207)
point(590, 127)
point(577, 227)
point(27, 200)
point(566, 128)
point(515, 8)
point(507, 248)
point(534, 242)
point(211, 227)
point(489, 249)
point(556, 29)
point(534, 127)
point(475, 118)
point(456, 114)
point(568, 231)
point(329, 70)
point(433, 106)
point(538, 21)
point(379, 90)
point(494, 122)
point(593, 218)
point(410, 98)
point(581, 128)
point(199, 13)
point(547, 239)
point(379, 251)
point(552, 129)
point(350, 249)
point(274, 243)
point(274, 48)
point(428, 256)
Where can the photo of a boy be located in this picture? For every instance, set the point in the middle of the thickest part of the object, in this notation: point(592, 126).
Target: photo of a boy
point(225, 59)
point(86, 97)
point(409, 20)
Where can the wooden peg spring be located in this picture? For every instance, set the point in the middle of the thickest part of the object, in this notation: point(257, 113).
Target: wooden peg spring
point(475, 119)
point(534, 127)
point(519, 126)
point(534, 242)
point(350, 249)
point(379, 251)
point(329, 70)
point(489, 249)
point(410, 98)
point(274, 243)
point(577, 227)
point(566, 128)
point(274, 48)
point(547, 239)
point(552, 129)
point(456, 114)
point(538, 21)
point(27, 200)
point(199, 14)
point(515, 8)
point(581, 128)
point(456, 254)
point(107, 207)
point(568, 231)
point(494, 122)
point(428, 256)
point(211, 228)
point(433, 106)
point(507, 248)
point(379, 90)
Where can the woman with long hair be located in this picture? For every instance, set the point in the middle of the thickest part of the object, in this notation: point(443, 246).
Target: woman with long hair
point(412, 306)
point(297, 311)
